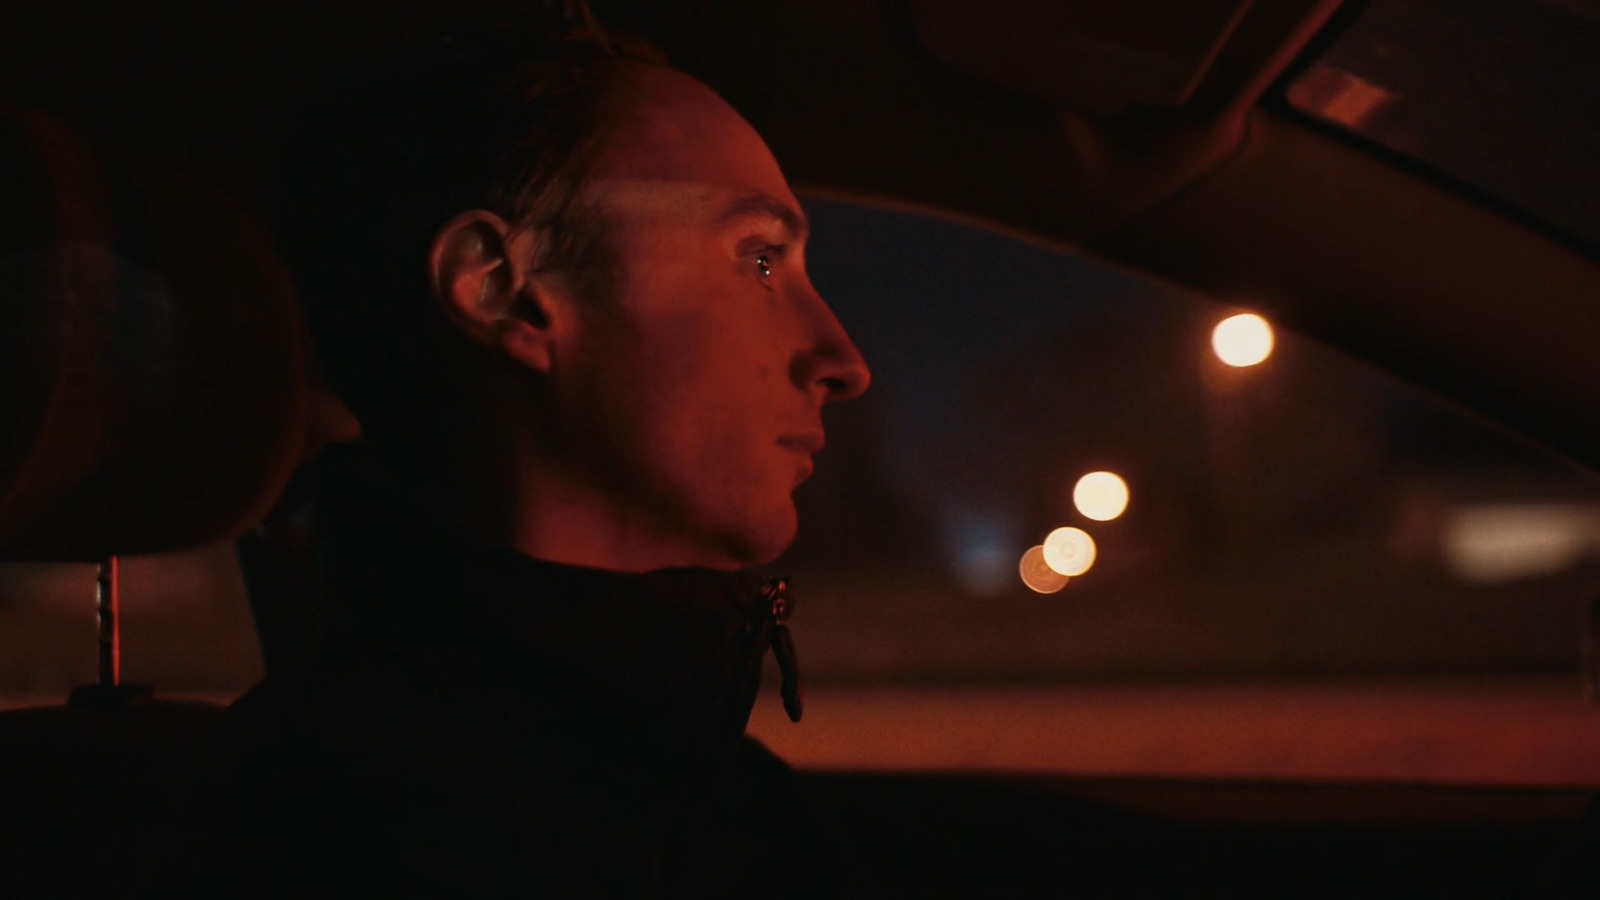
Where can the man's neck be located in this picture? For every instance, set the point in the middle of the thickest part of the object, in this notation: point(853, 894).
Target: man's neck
point(513, 497)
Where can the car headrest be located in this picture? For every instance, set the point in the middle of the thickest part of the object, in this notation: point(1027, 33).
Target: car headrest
point(154, 396)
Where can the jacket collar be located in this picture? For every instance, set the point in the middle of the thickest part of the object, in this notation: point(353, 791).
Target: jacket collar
point(681, 649)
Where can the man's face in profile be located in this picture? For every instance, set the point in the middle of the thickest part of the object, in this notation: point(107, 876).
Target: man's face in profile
point(694, 392)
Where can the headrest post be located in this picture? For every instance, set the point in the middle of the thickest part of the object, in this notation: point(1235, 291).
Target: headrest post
point(110, 627)
point(108, 693)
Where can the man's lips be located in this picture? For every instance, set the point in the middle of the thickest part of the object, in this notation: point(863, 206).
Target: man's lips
point(804, 446)
point(810, 443)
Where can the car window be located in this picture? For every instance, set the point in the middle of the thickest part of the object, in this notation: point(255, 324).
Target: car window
point(1303, 519)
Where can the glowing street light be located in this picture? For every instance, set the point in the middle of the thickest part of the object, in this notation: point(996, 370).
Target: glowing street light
point(1038, 575)
point(1069, 551)
point(1101, 496)
point(1242, 340)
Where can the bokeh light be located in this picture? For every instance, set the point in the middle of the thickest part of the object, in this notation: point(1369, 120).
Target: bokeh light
point(1069, 551)
point(1037, 574)
point(1242, 340)
point(1101, 496)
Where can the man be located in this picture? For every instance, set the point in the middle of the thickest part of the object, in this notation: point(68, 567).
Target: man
point(563, 288)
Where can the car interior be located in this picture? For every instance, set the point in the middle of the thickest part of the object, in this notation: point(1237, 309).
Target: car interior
point(1344, 642)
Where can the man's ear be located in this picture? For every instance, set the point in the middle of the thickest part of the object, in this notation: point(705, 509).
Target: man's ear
point(476, 269)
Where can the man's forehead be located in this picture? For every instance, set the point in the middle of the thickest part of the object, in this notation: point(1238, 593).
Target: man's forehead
point(682, 152)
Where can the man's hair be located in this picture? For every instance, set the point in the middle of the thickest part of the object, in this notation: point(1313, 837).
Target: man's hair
point(505, 118)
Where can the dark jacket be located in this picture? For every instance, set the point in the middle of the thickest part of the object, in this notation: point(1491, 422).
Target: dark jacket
point(479, 723)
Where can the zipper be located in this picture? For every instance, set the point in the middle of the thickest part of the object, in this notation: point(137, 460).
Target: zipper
point(776, 592)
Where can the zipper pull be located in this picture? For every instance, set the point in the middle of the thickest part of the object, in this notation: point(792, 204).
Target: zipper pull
point(777, 592)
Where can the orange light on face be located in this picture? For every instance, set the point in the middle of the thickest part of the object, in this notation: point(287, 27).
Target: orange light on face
point(1101, 496)
point(1038, 575)
point(1069, 551)
point(1242, 340)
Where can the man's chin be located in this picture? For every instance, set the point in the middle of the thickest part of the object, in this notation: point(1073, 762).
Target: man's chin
point(759, 543)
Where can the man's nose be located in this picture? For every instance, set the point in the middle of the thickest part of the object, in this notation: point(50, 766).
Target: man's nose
point(830, 359)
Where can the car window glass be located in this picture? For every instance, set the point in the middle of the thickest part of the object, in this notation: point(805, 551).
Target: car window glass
point(1303, 516)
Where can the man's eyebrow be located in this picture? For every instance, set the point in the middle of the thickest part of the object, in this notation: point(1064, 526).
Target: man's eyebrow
point(760, 204)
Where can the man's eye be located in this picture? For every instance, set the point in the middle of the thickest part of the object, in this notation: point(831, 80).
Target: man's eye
point(765, 259)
